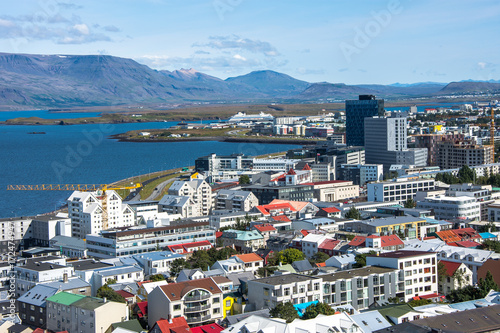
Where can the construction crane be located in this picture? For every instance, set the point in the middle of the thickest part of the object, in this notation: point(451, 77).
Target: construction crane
point(99, 188)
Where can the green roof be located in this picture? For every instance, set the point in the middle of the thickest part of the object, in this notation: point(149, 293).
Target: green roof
point(65, 298)
point(89, 303)
point(395, 310)
point(132, 325)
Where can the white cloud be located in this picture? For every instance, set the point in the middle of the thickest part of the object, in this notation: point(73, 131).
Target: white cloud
point(239, 57)
point(6, 23)
point(82, 28)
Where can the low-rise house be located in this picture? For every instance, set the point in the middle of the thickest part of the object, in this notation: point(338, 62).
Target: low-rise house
point(330, 246)
point(121, 274)
point(303, 266)
point(69, 246)
point(174, 325)
point(190, 274)
point(187, 248)
point(243, 241)
point(265, 230)
point(251, 262)
point(265, 254)
point(32, 305)
point(491, 265)
point(36, 272)
point(329, 212)
point(386, 243)
point(342, 262)
point(399, 313)
point(457, 275)
point(230, 265)
point(199, 301)
point(84, 269)
point(76, 313)
point(311, 243)
point(146, 287)
point(157, 262)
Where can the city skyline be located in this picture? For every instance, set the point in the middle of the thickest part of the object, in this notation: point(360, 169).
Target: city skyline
point(354, 43)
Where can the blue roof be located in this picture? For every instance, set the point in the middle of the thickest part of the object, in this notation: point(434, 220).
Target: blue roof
point(72, 283)
point(159, 255)
point(487, 235)
point(470, 305)
point(118, 270)
point(434, 221)
point(301, 308)
point(37, 295)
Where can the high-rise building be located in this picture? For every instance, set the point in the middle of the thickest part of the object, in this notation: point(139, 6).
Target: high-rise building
point(467, 152)
point(386, 143)
point(356, 111)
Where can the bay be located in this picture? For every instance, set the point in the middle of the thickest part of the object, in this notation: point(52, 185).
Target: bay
point(83, 154)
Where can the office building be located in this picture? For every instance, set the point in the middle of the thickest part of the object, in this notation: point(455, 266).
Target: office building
point(356, 111)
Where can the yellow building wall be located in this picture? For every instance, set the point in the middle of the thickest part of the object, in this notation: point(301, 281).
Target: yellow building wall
point(228, 306)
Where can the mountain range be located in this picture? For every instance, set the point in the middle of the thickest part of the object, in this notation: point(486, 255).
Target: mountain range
point(95, 80)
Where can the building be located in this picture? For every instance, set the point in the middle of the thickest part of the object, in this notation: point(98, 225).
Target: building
point(198, 190)
point(199, 301)
point(430, 141)
point(45, 227)
point(407, 226)
point(399, 190)
point(120, 274)
point(419, 269)
point(32, 305)
point(157, 262)
point(449, 208)
point(182, 205)
point(356, 111)
point(15, 230)
point(244, 241)
point(82, 314)
point(465, 152)
point(92, 212)
point(235, 200)
point(334, 190)
point(386, 143)
point(360, 174)
point(221, 220)
point(213, 163)
point(141, 240)
point(266, 194)
point(458, 275)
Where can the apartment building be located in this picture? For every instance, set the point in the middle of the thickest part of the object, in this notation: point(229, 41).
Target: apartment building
point(400, 190)
point(14, 230)
point(449, 208)
point(182, 205)
point(455, 154)
point(45, 227)
point(92, 212)
point(235, 200)
point(36, 272)
point(141, 240)
point(360, 174)
point(199, 301)
point(419, 269)
point(82, 314)
point(198, 190)
point(244, 241)
point(408, 226)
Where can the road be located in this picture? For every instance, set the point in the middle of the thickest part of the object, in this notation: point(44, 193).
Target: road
point(157, 191)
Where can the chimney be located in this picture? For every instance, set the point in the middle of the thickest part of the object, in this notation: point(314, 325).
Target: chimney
point(104, 299)
point(65, 277)
point(170, 319)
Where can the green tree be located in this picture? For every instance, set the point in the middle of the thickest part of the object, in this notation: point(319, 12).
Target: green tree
point(288, 256)
point(244, 179)
point(177, 266)
point(319, 257)
point(110, 281)
point(487, 284)
point(353, 213)
point(284, 311)
point(442, 272)
point(313, 310)
point(266, 271)
point(466, 174)
point(491, 245)
point(410, 203)
point(110, 294)
point(419, 302)
point(157, 277)
point(466, 293)
point(201, 259)
point(361, 259)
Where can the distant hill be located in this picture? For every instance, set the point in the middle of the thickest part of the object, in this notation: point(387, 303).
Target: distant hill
point(470, 87)
point(28, 81)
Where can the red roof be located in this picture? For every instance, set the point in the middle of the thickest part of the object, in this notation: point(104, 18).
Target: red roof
point(264, 227)
point(321, 264)
point(465, 244)
point(304, 232)
point(448, 236)
point(429, 237)
point(143, 308)
point(331, 210)
point(306, 167)
point(291, 172)
point(125, 294)
point(450, 266)
point(329, 244)
point(178, 324)
point(140, 283)
point(218, 234)
point(189, 247)
point(266, 209)
point(281, 218)
point(39, 330)
point(249, 257)
point(466, 232)
point(358, 241)
point(209, 328)
point(281, 177)
point(391, 240)
point(434, 295)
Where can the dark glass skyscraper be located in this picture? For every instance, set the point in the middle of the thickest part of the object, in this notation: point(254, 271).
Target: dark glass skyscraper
point(356, 111)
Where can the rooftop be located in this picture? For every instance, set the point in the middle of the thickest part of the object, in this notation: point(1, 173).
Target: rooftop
point(285, 279)
point(402, 254)
point(65, 298)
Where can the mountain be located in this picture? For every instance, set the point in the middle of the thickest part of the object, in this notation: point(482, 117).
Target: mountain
point(470, 87)
point(268, 83)
point(40, 81)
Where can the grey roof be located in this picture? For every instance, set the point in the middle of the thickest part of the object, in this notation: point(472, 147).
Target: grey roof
point(233, 193)
point(364, 271)
point(42, 266)
point(89, 264)
point(285, 279)
point(370, 321)
point(73, 283)
point(302, 265)
point(392, 220)
point(118, 270)
point(70, 242)
point(237, 278)
point(214, 272)
point(174, 200)
point(37, 295)
point(231, 320)
point(408, 327)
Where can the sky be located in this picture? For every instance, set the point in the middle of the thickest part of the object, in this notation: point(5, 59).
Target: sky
point(352, 42)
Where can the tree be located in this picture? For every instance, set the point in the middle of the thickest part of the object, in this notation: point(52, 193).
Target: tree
point(157, 277)
point(244, 179)
point(266, 271)
point(410, 203)
point(288, 256)
point(201, 259)
point(419, 302)
point(361, 259)
point(491, 245)
point(442, 272)
point(110, 294)
point(177, 266)
point(487, 284)
point(353, 213)
point(284, 311)
point(319, 257)
point(313, 310)
point(466, 174)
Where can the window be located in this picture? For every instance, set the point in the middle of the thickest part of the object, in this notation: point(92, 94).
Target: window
point(228, 303)
point(177, 307)
point(216, 299)
point(216, 310)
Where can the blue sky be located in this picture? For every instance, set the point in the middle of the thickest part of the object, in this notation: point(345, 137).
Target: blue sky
point(335, 41)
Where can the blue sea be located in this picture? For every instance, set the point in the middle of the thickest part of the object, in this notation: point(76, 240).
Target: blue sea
point(83, 154)
point(45, 114)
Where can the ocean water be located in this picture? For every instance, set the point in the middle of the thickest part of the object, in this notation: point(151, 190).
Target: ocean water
point(45, 114)
point(84, 154)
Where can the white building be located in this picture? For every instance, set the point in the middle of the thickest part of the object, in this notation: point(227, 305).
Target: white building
point(446, 207)
point(182, 205)
point(89, 214)
point(400, 190)
point(235, 200)
point(274, 164)
point(198, 190)
point(419, 269)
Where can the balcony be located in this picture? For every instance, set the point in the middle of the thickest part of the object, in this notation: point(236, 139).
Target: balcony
point(198, 308)
point(197, 319)
point(196, 298)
